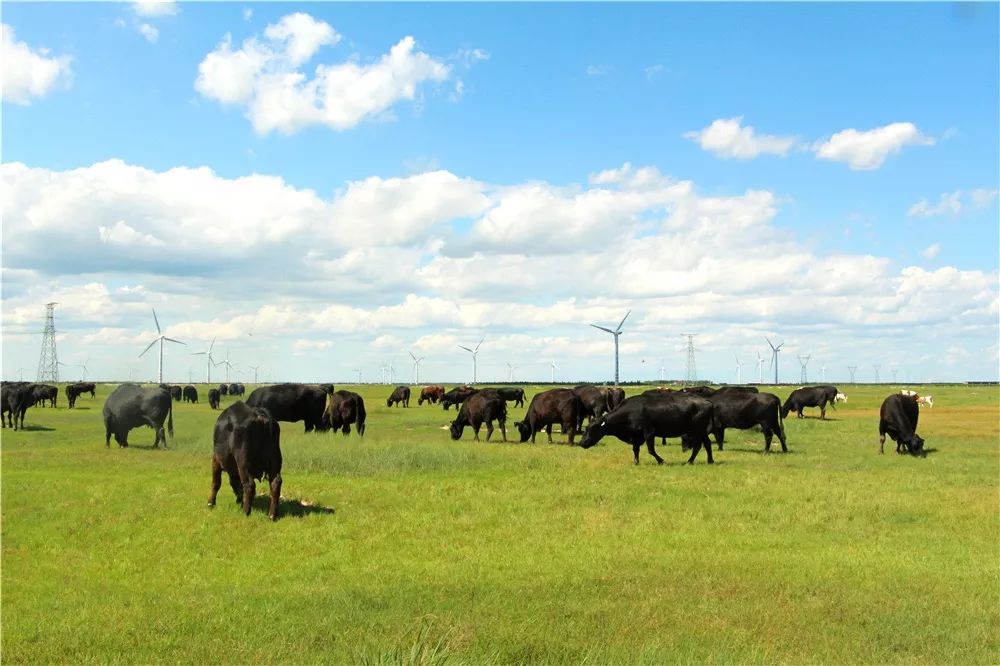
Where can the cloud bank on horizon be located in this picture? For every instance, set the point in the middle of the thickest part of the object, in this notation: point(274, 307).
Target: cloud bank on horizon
point(313, 275)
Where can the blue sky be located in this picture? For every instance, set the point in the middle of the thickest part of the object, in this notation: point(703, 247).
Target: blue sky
point(467, 201)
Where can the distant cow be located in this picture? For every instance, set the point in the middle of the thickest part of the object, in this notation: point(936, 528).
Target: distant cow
point(240, 390)
point(840, 397)
point(809, 396)
point(213, 398)
point(560, 406)
point(641, 419)
point(431, 394)
point(908, 392)
point(45, 393)
point(735, 409)
point(75, 390)
point(594, 400)
point(15, 398)
point(345, 408)
point(234, 389)
point(400, 396)
point(482, 407)
point(223, 389)
point(176, 393)
point(511, 394)
point(247, 446)
point(457, 396)
point(190, 394)
point(736, 389)
point(292, 402)
point(130, 406)
point(926, 400)
point(898, 418)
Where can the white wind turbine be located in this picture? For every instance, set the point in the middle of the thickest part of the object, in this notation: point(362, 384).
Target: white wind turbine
point(416, 367)
point(739, 370)
point(229, 366)
point(210, 359)
point(475, 355)
point(616, 332)
point(760, 368)
point(160, 339)
point(554, 368)
point(254, 368)
point(84, 366)
point(510, 371)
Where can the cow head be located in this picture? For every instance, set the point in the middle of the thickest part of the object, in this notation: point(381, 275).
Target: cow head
point(456, 429)
point(524, 429)
point(840, 397)
point(916, 446)
point(594, 433)
point(388, 402)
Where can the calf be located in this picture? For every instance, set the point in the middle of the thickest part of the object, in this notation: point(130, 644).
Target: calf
point(400, 396)
point(345, 408)
point(809, 396)
point(926, 400)
point(512, 394)
point(560, 406)
point(482, 407)
point(431, 394)
point(213, 398)
point(898, 418)
point(734, 409)
point(641, 419)
point(247, 447)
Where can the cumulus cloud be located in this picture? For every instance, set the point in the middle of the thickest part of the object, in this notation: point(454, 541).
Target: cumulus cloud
point(598, 70)
point(932, 250)
point(728, 138)
point(151, 33)
point(952, 204)
point(155, 8)
point(264, 75)
point(868, 150)
point(29, 74)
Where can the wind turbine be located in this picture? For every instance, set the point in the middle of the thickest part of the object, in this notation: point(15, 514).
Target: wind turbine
point(822, 370)
point(254, 368)
point(774, 357)
point(358, 370)
point(615, 333)
point(229, 366)
point(84, 366)
point(475, 355)
point(739, 370)
point(416, 367)
point(760, 368)
point(876, 373)
point(160, 339)
point(510, 371)
point(554, 368)
point(663, 371)
point(211, 361)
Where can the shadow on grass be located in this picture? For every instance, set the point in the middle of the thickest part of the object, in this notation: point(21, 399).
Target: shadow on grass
point(36, 428)
point(745, 449)
point(292, 508)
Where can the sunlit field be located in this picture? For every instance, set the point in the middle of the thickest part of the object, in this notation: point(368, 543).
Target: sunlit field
point(405, 546)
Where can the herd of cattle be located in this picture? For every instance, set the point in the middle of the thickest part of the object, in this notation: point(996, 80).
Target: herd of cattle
point(246, 436)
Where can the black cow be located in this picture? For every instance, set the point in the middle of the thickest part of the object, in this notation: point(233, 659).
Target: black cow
point(176, 393)
point(703, 391)
point(45, 393)
point(457, 396)
point(247, 447)
point(213, 398)
point(224, 389)
point(130, 406)
point(737, 389)
point(400, 396)
point(481, 407)
point(616, 396)
point(292, 402)
point(742, 410)
point(240, 390)
point(810, 396)
point(76, 389)
point(898, 418)
point(345, 408)
point(641, 419)
point(511, 394)
point(234, 389)
point(560, 406)
point(595, 402)
point(190, 394)
point(15, 398)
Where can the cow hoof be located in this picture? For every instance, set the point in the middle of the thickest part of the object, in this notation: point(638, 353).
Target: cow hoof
point(211, 505)
point(659, 462)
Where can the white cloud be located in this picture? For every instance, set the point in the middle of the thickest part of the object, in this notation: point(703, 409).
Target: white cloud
point(155, 8)
point(931, 251)
point(728, 138)
point(247, 13)
point(653, 72)
point(29, 74)
point(867, 150)
point(598, 70)
point(264, 76)
point(149, 32)
point(953, 203)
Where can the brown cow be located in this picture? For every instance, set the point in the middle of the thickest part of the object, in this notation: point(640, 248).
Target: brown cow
point(561, 406)
point(431, 394)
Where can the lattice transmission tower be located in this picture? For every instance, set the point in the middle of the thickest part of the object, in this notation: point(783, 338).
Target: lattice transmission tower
point(691, 373)
point(804, 361)
point(48, 360)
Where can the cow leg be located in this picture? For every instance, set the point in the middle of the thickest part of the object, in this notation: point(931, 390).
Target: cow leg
point(572, 433)
point(503, 429)
point(720, 437)
point(635, 451)
point(881, 441)
point(275, 482)
point(822, 410)
point(695, 448)
point(799, 411)
point(216, 481)
point(489, 430)
point(708, 448)
point(234, 483)
point(107, 437)
point(651, 447)
point(548, 431)
point(781, 437)
point(249, 487)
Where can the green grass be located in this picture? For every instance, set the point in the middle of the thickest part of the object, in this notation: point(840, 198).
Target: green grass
point(406, 547)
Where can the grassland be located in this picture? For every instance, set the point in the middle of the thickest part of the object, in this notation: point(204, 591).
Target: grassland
point(407, 547)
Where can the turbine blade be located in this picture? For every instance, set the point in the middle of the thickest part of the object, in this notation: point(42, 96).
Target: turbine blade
point(198, 353)
point(211, 345)
point(467, 349)
point(172, 340)
point(480, 343)
point(157, 322)
point(412, 356)
point(147, 348)
point(623, 320)
point(607, 330)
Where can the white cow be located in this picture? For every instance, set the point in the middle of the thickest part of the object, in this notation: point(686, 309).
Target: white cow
point(840, 397)
point(912, 394)
point(926, 400)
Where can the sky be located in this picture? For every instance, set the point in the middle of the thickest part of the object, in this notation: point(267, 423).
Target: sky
point(325, 189)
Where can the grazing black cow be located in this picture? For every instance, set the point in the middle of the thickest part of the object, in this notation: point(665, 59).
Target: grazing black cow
point(345, 408)
point(511, 394)
point(482, 407)
point(73, 391)
point(240, 390)
point(737, 389)
point(457, 396)
point(641, 419)
point(176, 393)
point(594, 400)
point(15, 398)
point(213, 398)
point(703, 391)
point(130, 406)
point(616, 396)
point(234, 389)
point(431, 394)
point(560, 406)
point(247, 447)
point(400, 396)
point(190, 394)
point(292, 402)
point(898, 418)
point(742, 410)
point(45, 393)
point(224, 389)
point(810, 396)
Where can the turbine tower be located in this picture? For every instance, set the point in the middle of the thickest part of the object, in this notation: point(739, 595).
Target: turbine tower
point(254, 368)
point(416, 367)
point(160, 339)
point(774, 357)
point(48, 360)
point(475, 356)
point(876, 372)
point(852, 369)
point(804, 361)
point(739, 370)
point(510, 371)
point(83, 366)
point(210, 359)
point(691, 369)
point(822, 370)
point(616, 332)
point(663, 371)
point(554, 367)
point(760, 368)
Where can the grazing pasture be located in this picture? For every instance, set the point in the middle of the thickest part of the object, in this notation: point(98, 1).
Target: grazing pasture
point(406, 546)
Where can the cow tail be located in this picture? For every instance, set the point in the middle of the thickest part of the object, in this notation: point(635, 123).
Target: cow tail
point(170, 419)
point(359, 419)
